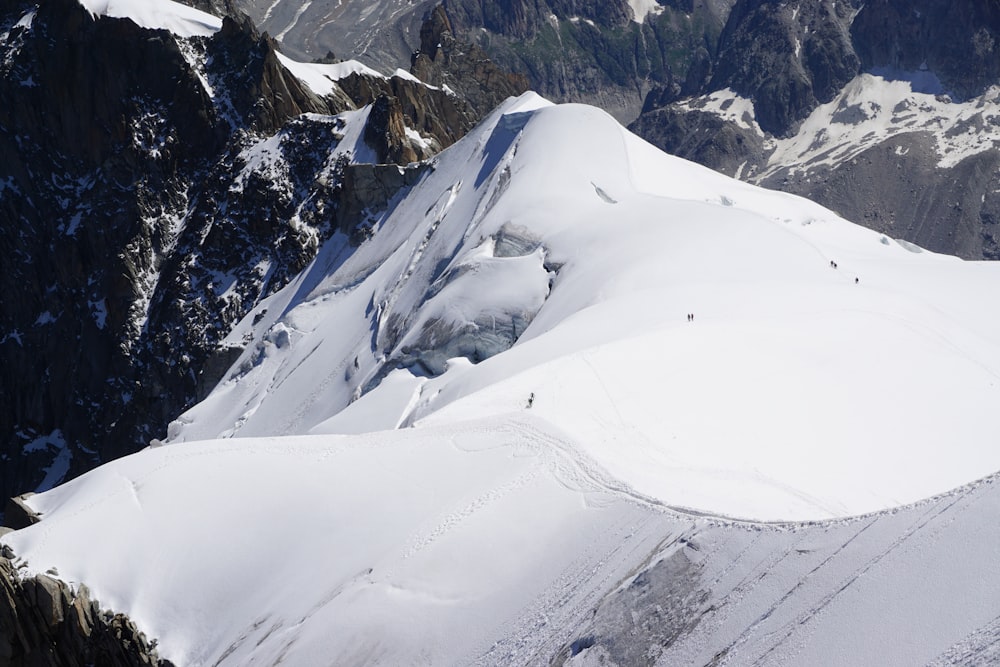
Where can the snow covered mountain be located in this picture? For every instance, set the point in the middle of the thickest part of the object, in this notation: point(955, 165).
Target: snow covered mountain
point(506, 429)
point(522, 234)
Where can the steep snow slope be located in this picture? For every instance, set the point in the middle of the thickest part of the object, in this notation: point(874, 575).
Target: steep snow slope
point(797, 392)
point(522, 313)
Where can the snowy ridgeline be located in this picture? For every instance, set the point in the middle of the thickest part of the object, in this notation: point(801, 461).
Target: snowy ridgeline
point(468, 439)
point(822, 357)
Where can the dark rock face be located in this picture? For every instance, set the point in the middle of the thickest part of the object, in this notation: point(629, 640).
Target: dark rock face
point(18, 515)
point(440, 117)
point(522, 19)
point(589, 51)
point(443, 61)
point(106, 143)
point(370, 187)
point(702, 137)
point(382, 33)
point(152, 190)
point(54, 88)
point(787, 57)
point(958, 41)
point(569, 50)
point(217, 7)
point(261, 92)
point(45, 622)
point(385, 131)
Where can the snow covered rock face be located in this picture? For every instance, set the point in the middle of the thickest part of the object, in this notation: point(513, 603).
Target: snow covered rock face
point(956, 40)
point(161, 171)
point(602, 52)
point(787, 57)
point(883, 111)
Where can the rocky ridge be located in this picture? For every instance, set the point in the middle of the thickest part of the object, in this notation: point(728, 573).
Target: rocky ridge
point(44, 621)
point(597, 53)
point(151, 193)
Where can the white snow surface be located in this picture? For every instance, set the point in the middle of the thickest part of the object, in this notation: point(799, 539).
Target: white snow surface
point(179, 19)
point(643, 8)
point(727, 105)
point(322, 78)
point(329, 500)
point(794, 394)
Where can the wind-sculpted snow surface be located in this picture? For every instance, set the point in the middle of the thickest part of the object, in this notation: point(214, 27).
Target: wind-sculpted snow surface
point(504, 428)
point(497, 542)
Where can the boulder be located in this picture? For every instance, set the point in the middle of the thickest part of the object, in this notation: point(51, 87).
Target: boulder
point(17, 514)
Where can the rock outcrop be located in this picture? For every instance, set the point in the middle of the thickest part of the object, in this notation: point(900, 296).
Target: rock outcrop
point(593, 51)
point(17, 514)
point(112, 135)
point(702, 137)
point(369, 188)
point(442, 60)
point(569, 50)
point(44, 621)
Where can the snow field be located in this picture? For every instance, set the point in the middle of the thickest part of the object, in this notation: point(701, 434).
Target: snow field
point(342, 533)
